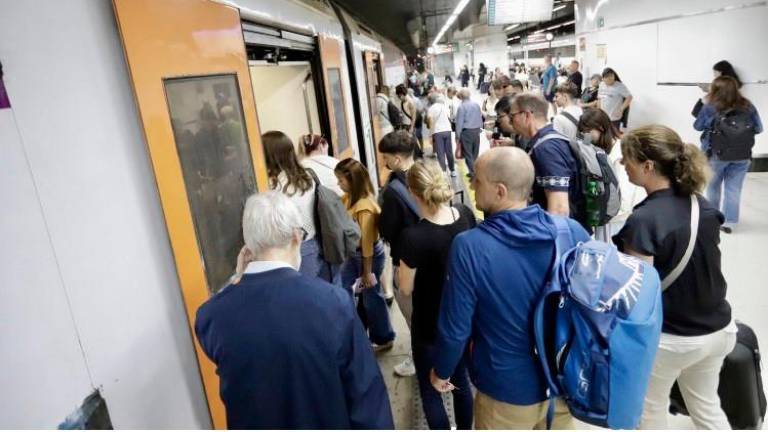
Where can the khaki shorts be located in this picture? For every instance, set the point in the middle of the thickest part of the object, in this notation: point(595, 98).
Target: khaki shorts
point(492, 414)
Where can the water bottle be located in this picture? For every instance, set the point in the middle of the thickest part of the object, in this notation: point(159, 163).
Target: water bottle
point(592, 205)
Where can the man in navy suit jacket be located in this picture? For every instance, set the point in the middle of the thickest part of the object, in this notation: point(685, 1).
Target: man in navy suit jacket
point(289, 349)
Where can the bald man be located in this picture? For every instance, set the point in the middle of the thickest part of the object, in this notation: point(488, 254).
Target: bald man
point(495, 275)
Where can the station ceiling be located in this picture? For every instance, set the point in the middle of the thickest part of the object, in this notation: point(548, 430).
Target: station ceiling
point(410, 24)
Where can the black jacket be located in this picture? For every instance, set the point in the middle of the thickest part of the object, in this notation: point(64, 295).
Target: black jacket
point(395, 216)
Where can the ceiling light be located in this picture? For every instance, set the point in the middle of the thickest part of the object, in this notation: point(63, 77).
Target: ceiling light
point(561, 7)
point(560, 25)
point(518, 11)
point(512, 26)
point(449, 22)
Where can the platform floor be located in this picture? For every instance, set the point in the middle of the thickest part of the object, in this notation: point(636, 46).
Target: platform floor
point(745, 265)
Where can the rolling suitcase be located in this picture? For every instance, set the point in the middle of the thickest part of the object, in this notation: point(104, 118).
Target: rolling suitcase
point(741, 384)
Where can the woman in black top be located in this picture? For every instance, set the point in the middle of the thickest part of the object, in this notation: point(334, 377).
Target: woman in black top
point(698, 331)
point(422, 273)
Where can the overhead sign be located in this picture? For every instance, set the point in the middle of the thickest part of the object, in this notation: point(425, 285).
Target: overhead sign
point(518, 11)
point(535, 37)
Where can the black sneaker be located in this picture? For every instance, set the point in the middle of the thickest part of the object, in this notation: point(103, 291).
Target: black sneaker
point(726, 229)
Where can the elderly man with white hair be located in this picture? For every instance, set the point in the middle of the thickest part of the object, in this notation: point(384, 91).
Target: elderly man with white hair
point(288, 348)
point(469, 121)
point(439, 122)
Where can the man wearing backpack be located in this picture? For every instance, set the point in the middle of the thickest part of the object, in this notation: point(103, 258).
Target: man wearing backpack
point(389, 119)
point(482, 309)
point(398, 211)
point(556, 187)
point(567, 119)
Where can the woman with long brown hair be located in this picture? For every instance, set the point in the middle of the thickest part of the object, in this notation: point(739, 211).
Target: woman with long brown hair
point(363, 270)
point(729, 123)
point(286, 175)
point(678, 231)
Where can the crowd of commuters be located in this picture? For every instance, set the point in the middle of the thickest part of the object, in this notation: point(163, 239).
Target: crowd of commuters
point(469, 326)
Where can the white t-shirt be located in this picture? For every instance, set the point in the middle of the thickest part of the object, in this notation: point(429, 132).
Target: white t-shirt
point(631, 195)
point(611, 98)
point(453, 104)
point(564, 125)
point(305, 202)
point(323, 166)
point(438, 118)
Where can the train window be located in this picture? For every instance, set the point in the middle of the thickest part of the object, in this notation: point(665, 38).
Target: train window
point(209, 129)
point(337, 95)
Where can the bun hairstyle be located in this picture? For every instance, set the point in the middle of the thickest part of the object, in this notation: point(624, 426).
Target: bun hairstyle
point(427, 181)
point(683, 164)
point(310, 143)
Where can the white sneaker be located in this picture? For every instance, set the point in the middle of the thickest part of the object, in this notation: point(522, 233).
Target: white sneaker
point(453, 174)
point(406, 368)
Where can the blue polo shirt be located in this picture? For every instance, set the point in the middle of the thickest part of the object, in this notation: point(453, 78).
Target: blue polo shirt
point(555, 168)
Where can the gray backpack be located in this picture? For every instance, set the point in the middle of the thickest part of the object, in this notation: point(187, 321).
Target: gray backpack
point(337, 233)
point(594, 166)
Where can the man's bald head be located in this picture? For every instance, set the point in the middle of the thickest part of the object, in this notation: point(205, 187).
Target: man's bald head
point(509, 166)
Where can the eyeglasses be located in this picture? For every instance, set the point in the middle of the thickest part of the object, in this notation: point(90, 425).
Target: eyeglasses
point(304, 233)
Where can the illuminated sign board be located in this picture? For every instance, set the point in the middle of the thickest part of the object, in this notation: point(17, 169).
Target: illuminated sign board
point(518, 11)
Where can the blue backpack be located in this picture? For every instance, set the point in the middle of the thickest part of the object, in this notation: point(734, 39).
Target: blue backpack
point(597, 330)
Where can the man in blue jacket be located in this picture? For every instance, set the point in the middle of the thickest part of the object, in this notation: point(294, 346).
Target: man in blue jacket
point(289, 349)
point(496, 274)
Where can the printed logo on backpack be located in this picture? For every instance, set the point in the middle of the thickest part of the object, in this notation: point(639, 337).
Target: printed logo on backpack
point(597, 330)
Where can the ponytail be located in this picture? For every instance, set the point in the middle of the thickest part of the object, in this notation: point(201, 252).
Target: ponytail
point(691, 171)
point(683, 164)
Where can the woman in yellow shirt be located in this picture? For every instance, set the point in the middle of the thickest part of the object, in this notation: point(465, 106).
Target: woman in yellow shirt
point(363, 270)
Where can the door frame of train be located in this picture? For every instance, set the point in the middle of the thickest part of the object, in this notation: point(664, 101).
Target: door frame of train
point(330, 58)
point(155, 51)
point(371, 73)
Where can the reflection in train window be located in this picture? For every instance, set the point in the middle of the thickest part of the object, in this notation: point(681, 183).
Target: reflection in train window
point(208, 125)
point(334, 82)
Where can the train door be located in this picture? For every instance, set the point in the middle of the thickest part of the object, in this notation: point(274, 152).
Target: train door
point(373, 80)
point(297, 83)
point(334, 78)
point(195, 100)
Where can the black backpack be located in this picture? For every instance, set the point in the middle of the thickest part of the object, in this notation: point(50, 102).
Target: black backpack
point(393, 114)
point(733, 135)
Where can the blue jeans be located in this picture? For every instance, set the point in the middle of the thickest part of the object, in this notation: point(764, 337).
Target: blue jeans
point(313, 264)
point(434, 410)
point(374, 312)
point(441, 142)
point(729, 175)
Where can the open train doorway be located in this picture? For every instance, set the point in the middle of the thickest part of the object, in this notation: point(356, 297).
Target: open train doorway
point(285, 91)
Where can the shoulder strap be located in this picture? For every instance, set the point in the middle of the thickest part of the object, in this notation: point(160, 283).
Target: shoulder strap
point(402, 108)
point(399, 188)
point(314, 177)
point(550, 136)
point(675, 273)
point(570, 117)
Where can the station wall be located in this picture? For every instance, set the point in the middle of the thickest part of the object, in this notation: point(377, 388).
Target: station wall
point(89, 292)
point(657, 41)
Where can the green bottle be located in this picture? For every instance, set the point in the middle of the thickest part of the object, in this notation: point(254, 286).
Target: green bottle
point(593, 208)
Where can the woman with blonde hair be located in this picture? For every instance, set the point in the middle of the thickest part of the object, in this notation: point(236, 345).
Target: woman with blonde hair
point(422, 273)
point(365, 267)
point(678, 231)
